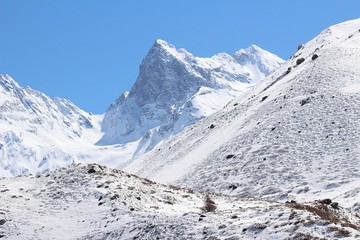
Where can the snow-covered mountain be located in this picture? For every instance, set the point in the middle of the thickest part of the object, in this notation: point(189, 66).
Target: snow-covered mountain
point(175, 89)
point(95, 202)
point(37, 133)
point(295, 135)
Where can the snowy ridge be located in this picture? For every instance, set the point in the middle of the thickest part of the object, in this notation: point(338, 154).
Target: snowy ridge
point(175, 89)
point(38, 134)
point(95, 202)
point(294, 136)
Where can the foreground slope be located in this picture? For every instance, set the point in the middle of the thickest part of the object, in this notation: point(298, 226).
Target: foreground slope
point(294, 136)
point(175, 89)
point(95, 202)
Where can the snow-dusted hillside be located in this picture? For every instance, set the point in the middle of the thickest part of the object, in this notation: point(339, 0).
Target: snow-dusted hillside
point(95, 202)
point(295, 135)
point(175, 89)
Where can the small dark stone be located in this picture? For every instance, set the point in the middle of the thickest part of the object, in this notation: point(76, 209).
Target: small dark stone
point(300, 61)
point(132, 209)
point(200, 219)
point(222, 226)
point(244, 230)
point(202, 215)
point(288, 71)
point(234, 217)
point(230, 156)
point(305, 101)
point(91, 170)
point(263, 99)
point(232, 187)
point(315, 56)
point(326, 201)
point(212, 126)
point(115, 196)
point(273, 128)
point(335, 205)
point(2, 221)
point(100, 203)
point(138, 198)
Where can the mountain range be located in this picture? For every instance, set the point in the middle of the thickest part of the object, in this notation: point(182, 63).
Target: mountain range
point(280, 160)
point(174, 89)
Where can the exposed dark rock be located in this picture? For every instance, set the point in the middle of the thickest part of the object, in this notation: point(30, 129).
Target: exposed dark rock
point(263, 99)
point(315, 56)
point(326, 201)
point(2, 221)
point(305, 101)
point(335, 205)
point(91, 170)
point(230, 156)
point(300, 61)
point(232, 187)
point(212, 126)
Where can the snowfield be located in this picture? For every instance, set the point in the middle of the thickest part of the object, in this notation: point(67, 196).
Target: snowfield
point(96, 202)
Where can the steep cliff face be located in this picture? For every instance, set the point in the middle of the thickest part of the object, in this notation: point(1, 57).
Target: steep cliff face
point(175, 89)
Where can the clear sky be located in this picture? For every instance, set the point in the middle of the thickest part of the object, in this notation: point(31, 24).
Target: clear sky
point(89, 51)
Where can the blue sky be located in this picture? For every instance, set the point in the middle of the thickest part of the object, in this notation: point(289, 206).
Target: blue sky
point(89, 51)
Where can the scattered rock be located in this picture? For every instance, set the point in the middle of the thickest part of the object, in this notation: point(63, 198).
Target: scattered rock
point(288, 71)
point(263, 99)
point(300, 61)
point(91, 170)
point(234, 217)
point(116, 196)
point(232, 187)
point(326, 201)
point(305, 101)
point(315, 56)
point(230, 156)
point(335, 205)
point(212, 126)
point(2, 221)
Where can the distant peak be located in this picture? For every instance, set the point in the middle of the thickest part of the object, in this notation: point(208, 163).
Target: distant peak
point(252, 49)
point(163, 44)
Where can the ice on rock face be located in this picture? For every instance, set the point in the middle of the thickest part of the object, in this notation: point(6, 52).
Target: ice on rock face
point(168, 93)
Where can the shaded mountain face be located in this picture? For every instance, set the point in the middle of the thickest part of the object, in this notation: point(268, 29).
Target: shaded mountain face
point(37, 132)
point(295, 135)
point(175, 89)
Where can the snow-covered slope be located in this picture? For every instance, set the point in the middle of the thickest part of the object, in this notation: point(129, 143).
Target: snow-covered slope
point(175, 89)
point(295, 135)
point(95, 202)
